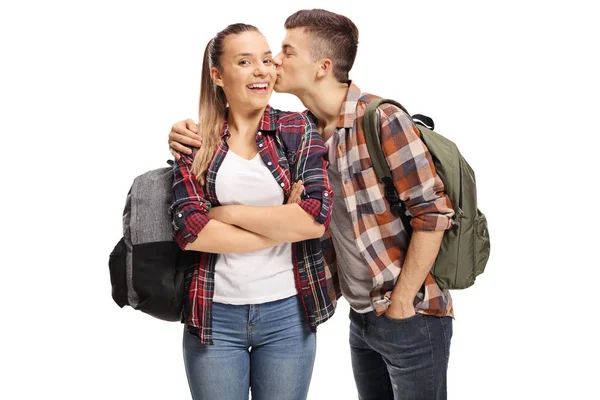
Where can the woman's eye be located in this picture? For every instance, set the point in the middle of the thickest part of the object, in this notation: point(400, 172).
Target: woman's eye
point(268, 61)
point(244, 62)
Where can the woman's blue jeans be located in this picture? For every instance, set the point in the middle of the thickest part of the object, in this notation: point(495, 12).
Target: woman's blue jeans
point(267, 348)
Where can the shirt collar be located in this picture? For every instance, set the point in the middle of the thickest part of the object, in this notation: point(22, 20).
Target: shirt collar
point(348, 110)
point(267, 123)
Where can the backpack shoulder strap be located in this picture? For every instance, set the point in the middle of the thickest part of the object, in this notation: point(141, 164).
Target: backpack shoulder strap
point(372, 137)
point(380, 165)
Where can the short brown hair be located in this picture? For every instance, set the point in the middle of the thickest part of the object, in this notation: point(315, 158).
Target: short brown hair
point(334, 36)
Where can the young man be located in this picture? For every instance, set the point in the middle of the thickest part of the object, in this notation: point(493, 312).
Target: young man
point(401, 321)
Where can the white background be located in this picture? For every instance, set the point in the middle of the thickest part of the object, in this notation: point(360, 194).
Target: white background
point(90, 89)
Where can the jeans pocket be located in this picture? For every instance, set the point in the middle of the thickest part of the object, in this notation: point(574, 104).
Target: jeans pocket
point(401, 320)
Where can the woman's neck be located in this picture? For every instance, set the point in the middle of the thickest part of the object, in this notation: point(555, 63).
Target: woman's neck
point(244, 123)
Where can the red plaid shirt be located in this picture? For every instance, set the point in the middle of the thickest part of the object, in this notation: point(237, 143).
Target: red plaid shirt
point(292, 149)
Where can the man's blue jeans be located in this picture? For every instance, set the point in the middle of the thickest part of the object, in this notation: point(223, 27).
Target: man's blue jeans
point(266, 347)
point(396, 359)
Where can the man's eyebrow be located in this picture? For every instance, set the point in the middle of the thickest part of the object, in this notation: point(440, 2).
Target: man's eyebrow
point(250, 54)
point(287, 47)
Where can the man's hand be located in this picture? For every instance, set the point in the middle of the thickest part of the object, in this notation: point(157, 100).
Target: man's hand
point(422, 251)
point(183, 134)
point(296, 193)
point(400, 310)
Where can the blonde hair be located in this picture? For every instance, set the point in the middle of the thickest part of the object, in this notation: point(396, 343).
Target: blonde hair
point(213, 103)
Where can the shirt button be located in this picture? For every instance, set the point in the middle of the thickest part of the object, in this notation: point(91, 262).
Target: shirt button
point(282, 184)
point(326, 194)
point(269, 163)
point(260, 145)
point(179, 215)
point(259, 133)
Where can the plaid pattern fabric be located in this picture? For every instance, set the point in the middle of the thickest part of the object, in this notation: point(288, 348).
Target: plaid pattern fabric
point(292, 149)
point(380, 236)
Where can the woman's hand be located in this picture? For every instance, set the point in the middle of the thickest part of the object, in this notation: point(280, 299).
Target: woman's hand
point(296, 193)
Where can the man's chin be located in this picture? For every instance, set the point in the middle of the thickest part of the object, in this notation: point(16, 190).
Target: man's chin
point(280, 89)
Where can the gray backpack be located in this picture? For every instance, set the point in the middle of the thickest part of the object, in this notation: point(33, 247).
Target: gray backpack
point(146, 266)
point(465, 247)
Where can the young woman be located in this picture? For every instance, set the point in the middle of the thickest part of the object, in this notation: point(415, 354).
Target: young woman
point(258, 288)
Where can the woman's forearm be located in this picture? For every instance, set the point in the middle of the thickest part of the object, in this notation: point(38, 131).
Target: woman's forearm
point(221, 238)
point(285, 223)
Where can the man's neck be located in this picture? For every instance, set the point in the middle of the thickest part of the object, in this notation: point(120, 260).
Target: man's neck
point(325, 102)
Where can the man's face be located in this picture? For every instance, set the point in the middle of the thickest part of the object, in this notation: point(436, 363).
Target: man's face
point(296, 72)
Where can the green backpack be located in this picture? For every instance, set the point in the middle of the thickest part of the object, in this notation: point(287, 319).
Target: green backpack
point(465, 247)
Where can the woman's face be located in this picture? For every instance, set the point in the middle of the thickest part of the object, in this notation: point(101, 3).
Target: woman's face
point(247, 73)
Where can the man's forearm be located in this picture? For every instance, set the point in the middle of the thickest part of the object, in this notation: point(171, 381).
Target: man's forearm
point(285, 223)
point(422, 252)
point(220, 238)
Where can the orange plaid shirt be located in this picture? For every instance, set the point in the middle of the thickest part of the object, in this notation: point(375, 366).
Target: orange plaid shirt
point(379, 235)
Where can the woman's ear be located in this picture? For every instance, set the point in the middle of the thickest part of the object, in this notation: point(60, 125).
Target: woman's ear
point(215, 75)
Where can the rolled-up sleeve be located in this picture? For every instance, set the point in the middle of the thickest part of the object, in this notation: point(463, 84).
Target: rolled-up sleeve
point(413, 172)
point(190, 207)
point(311, 168)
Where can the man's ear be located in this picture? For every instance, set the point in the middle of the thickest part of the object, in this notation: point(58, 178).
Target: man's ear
point(215, 75)
point(325, 66)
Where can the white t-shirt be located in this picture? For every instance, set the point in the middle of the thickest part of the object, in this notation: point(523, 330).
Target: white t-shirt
point(259, 276)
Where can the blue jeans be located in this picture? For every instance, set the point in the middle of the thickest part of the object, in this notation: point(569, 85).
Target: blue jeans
point(267, 348)
point(400, 358)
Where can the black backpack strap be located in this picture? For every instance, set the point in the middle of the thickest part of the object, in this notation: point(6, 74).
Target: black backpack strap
point(380, 165)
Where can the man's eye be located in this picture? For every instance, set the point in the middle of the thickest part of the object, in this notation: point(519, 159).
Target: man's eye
point(268, 61)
